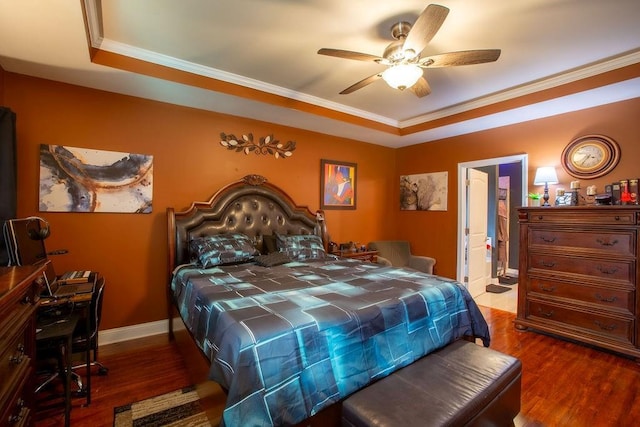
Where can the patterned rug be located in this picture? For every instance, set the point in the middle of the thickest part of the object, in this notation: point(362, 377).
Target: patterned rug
point(180, 408)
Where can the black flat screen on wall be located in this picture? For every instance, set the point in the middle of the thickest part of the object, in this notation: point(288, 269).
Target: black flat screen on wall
point(23, 250)
point(8, 176)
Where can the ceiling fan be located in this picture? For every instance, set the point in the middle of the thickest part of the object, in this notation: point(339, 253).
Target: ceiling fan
point(403, 56)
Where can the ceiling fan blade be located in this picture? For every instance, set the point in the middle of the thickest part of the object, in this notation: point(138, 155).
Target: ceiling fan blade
point(421, 88)
point(466, 57)
point(347, 54)
point(362, 83)
point(426, 26)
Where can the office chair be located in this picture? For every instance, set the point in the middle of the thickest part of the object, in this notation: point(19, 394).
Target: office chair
point(83, 338)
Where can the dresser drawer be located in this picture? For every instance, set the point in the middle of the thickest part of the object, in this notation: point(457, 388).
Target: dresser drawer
point(605, 242)
point(614, 328)
point(14, 361)
point(595, 216)
point(621, 300)
point(589, 269)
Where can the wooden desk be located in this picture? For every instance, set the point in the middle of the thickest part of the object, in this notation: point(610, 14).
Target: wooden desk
point(81, 303)
point(59, 335)
point(18, 292)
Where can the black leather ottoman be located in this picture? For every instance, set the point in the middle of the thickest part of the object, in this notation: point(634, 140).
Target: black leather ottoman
point(462, 384)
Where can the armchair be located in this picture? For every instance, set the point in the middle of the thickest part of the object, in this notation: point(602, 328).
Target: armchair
point(397, 253)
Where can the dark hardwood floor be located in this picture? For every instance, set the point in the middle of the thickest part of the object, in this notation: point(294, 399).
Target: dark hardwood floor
point(563, 384)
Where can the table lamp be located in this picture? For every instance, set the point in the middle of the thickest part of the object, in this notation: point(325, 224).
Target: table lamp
point(544, 176)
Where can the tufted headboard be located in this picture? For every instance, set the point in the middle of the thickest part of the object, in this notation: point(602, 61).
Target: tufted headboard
point(251, 206)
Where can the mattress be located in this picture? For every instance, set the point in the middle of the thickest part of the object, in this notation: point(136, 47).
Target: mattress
point(289, 340)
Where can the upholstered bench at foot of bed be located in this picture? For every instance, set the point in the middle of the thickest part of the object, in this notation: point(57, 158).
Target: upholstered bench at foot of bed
point(462, 384)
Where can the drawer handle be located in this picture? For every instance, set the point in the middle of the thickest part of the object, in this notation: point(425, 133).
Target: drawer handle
point(604, 327)
point(17, 358)
point(546, 314)
point(548, 239)
point(607, 242)
point(617, 218)
point(548, 264)
point(547, 289)
point(604, 270)
point(540, 217)
point(603, 299)
point(16, 418)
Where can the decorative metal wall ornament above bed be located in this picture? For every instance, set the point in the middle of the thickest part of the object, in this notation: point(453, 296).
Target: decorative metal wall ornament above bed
point(266, 145)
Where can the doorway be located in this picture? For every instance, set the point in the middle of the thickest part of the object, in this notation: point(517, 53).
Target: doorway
point(516, 167)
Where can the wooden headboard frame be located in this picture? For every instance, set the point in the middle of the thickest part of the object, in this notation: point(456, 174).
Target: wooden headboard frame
point(251, 206)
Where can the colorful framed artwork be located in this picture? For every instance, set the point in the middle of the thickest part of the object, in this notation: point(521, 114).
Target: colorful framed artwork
point(337, 184)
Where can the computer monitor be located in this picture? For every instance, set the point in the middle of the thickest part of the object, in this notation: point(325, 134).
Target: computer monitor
point(23, 248)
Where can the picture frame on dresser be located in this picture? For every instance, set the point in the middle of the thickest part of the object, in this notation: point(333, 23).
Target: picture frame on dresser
point(338, 184)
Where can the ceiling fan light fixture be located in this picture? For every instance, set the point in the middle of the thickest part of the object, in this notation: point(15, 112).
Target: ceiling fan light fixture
point(402, 76)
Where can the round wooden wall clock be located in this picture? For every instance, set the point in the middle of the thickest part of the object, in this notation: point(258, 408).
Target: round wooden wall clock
point(590, 156)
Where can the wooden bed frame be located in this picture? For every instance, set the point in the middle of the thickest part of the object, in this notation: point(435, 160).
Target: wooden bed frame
point(256, 208)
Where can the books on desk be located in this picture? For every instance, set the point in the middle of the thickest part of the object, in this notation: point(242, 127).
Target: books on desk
point(78, 276)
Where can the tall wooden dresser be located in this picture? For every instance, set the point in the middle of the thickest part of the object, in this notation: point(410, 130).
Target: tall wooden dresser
point(19, 290)
point(578, 274)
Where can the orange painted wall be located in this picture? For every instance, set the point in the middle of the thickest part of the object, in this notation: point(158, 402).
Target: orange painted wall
point(435, 233)
point(189, 164)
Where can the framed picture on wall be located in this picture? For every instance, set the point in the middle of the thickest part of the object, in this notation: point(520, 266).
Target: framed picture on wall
point(424, 192)
point(337, 184)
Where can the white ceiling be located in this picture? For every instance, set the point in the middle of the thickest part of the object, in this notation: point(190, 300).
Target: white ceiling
point(271, 45)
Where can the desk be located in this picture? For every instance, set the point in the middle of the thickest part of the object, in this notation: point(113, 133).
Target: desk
point(60, 334)
point(18, 290)
point(81, 304)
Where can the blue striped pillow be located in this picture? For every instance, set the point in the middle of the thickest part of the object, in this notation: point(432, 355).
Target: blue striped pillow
point(220, 249)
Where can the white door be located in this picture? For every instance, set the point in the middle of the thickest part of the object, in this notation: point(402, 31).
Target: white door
point(477, 201)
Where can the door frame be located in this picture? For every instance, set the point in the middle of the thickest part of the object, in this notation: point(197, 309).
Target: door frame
point(462, 198)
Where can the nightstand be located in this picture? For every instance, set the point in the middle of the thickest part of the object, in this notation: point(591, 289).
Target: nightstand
point(369, 256)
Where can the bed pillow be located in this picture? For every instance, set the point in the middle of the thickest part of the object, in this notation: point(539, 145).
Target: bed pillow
point(220, 249)
point(269, 244)
point(301, 247)
point(272, 259)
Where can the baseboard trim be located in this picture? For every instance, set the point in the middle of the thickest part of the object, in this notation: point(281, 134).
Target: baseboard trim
point(141, 330)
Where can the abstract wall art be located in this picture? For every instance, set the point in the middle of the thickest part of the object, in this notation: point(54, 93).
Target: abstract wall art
point(85, 180)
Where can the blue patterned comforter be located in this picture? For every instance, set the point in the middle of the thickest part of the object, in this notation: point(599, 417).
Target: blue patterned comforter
point(290, 340)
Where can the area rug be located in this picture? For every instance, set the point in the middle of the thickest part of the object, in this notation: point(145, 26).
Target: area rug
point(507, 280)
point(497, 289)
point(180, 408)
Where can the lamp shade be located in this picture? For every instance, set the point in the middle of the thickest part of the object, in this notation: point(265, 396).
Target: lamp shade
point(545, 175)
point(402, 76)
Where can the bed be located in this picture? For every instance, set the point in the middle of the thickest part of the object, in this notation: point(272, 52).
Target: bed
point(289, 330)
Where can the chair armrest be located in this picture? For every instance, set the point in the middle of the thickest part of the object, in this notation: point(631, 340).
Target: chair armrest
point(383, 261)
point(422, 263)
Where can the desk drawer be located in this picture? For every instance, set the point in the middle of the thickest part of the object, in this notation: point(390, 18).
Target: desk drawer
point(613, 328)
point(588, 268)
point(15, 406)
point(13, 359)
